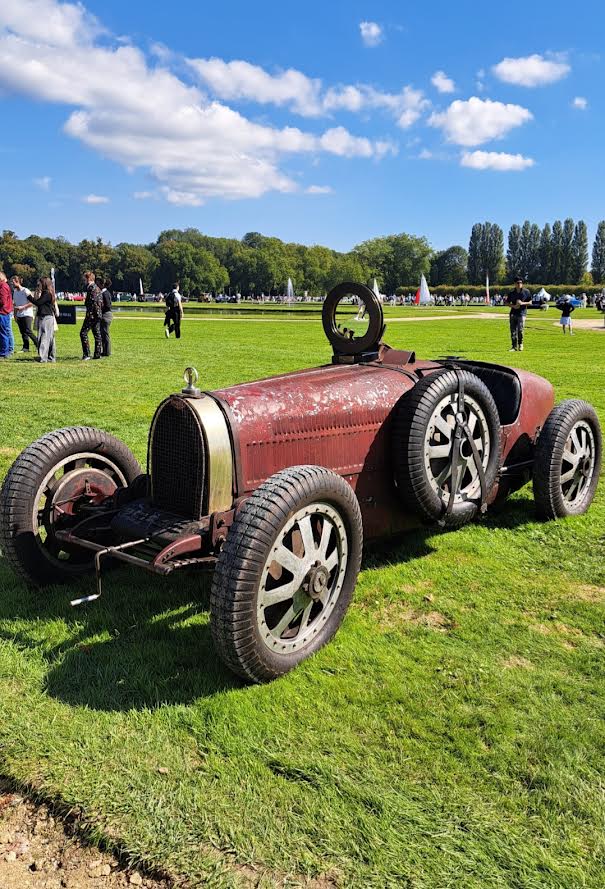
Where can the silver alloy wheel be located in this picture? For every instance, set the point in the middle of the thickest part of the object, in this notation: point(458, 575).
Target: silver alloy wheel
point(438, 445)
point(578, 464)
point(48, 505)
point(302, 578)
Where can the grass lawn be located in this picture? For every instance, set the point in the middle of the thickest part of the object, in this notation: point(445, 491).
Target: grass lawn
point(452, 734)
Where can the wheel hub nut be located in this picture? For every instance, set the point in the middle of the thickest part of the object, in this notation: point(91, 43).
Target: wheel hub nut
point(316, 581)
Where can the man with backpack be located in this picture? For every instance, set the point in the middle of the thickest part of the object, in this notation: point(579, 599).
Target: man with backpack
point(174, 312)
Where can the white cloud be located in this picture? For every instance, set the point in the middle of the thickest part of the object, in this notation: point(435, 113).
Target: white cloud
point(580, 103)
point(60, 25)
point(239, 80)
point(534, 70)
point(143, 116)
point(320, 189)
point(495, 160)
point(371, 33)
point(425, 154)
point(443, 83)
point(43, 182)
point(475, 121)
point(95, 199)
point(142, 195)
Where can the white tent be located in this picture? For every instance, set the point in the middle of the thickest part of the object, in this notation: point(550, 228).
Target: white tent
point(423, 295)
point(543, 294)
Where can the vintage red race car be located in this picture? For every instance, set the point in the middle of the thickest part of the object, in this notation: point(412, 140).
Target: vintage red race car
point(276, 484)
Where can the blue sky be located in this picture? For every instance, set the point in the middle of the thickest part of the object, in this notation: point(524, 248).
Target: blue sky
point(316, 122)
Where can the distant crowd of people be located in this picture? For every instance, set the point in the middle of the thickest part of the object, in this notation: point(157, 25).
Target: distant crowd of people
point(36, 315)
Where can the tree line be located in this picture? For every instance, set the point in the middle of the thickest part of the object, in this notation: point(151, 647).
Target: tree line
point(253, 265)
point(556, 254)
point(260, 264)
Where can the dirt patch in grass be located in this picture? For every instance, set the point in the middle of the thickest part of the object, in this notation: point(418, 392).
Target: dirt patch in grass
point(567, 636)
point(517, 662)
point(588, 593)
point(398, 615)
point(38, 852)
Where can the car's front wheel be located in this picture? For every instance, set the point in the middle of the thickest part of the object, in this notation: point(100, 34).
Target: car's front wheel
point(286, 574)
point(48, 489)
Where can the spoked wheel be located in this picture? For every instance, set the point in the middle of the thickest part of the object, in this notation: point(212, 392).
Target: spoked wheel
point(567, 461)
point(424, 439)
point(302, 578)
point(439, 444)
point(285, 577)
point(50, 488)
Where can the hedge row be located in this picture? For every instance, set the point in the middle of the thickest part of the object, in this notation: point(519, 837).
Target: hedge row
point(478, 290)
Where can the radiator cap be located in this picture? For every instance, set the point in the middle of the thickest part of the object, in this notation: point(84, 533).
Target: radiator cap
point(191, 376)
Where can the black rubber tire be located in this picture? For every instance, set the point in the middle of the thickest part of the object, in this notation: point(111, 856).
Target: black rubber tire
point(17, 539)
point(237, 576)
point(410, 423)
point(548, 458)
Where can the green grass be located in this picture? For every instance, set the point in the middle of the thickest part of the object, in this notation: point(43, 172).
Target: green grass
point(451, 735)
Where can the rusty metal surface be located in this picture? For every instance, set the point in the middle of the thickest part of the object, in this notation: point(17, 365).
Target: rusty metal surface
point(336, 416)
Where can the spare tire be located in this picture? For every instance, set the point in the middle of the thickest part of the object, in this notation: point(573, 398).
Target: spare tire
point(423, 442)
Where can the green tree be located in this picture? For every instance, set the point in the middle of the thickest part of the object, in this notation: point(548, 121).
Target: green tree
point(513, 254)
point(567, 259)
point(94, 256)
point(545, 254)
point(18, 257)
point(197, 270)
point(395, 259)
point(579, 264)
point(491, 252)
point(533, 254)
point(555, 253)
point(474, 266)
point(449, 267)
point(598, 255)
point(132, 263)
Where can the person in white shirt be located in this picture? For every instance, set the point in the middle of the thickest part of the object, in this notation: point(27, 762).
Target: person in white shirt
point(24, 312)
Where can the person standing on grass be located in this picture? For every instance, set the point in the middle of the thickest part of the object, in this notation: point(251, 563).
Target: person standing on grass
point(106, 317)
point(45, 301)
point(6, 310)
point(92, 320)
point(174, 312)
point(566, 307)
point(518, 300)
point(24, 312)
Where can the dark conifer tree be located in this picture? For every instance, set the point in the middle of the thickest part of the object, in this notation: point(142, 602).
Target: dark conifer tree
point(598, 255)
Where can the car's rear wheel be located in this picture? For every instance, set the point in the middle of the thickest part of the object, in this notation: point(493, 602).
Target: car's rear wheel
point(286, 574)
point(45, 491)
point(567, 460)
point(423, 447)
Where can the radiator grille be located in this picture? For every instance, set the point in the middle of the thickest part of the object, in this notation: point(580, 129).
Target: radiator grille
point(177, 459)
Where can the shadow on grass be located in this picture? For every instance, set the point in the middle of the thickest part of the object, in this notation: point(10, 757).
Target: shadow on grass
point(147, 643)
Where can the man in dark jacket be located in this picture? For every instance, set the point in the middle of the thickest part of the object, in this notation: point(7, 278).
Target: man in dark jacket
point(92, 321)
point(518, 300)
point(6, 311)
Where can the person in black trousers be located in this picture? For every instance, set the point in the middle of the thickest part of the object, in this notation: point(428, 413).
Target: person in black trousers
point(106, 318)
point(92, 320)
point(174, 312)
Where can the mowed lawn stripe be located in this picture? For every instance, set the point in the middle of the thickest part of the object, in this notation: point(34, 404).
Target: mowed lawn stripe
point(450, 735)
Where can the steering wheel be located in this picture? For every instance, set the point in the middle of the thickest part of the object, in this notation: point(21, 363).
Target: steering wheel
point(343, 341)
